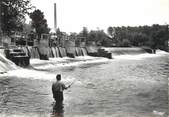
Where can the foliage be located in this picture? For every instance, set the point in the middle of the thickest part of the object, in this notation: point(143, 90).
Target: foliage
point(13, 14)
point(39, 23)
point(59, 34)
point(84, 32)
point(27, 28)
point(111, 31)
point(154, 36)
point(97, 36)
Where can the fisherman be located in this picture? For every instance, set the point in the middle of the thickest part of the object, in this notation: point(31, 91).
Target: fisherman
point(57, 89)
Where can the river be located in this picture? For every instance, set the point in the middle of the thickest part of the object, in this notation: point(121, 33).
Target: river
point(126, 86)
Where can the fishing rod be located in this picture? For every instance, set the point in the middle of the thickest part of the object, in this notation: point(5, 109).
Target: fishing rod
point(72, 83)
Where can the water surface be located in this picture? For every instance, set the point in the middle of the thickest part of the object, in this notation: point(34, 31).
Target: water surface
point(127, 86)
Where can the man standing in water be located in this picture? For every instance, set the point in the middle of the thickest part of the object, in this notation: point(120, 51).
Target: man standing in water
point(57, 89)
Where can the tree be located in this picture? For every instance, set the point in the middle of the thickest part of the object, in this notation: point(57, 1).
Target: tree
point(73, 36)
point(59, 35)
point(111, 31)
point(13, 14)
point(27, 28)
point(83, 35)
point(84, 32)
point(97, 36)
point(39, 23)
point(159, 37)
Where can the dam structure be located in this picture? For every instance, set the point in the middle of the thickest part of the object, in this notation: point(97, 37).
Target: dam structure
point(51, 46)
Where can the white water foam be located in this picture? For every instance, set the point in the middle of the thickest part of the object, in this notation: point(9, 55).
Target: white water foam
point(141, 56)
point(36, 75)
point(65, 62)
point(52, 63)
point(5, 64)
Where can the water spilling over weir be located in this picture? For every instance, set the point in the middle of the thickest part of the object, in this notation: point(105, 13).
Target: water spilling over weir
point(5, 64)
point(125, 51)
point(55, 52)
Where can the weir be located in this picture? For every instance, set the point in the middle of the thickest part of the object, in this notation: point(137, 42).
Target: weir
point(34, 52)
point(78, 51)
point(6, 64)
point(25, 50)
point(84, 51)
point(125, 51)
point(71, 52)
point(62, 52)
point(54, 52)
point(50, 54)
point(57, 52)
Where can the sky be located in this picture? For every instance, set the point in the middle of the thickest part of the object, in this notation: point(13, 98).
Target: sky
point(73, 15)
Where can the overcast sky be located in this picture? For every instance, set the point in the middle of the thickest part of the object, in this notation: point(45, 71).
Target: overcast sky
point(72, 15)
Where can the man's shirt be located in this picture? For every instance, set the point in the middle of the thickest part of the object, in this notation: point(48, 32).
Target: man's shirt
point(58, 86)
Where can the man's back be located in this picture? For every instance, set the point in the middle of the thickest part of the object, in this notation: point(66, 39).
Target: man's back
point(57, 90)
point(58, 86)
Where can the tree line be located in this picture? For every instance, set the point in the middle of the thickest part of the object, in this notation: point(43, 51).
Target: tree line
point(155, 36)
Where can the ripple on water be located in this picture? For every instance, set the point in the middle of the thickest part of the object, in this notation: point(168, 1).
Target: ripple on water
point(118, 88)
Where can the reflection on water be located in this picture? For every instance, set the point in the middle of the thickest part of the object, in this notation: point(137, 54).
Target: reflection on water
point(116, 88)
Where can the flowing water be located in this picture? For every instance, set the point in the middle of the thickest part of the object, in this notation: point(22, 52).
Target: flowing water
point(126, 86)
